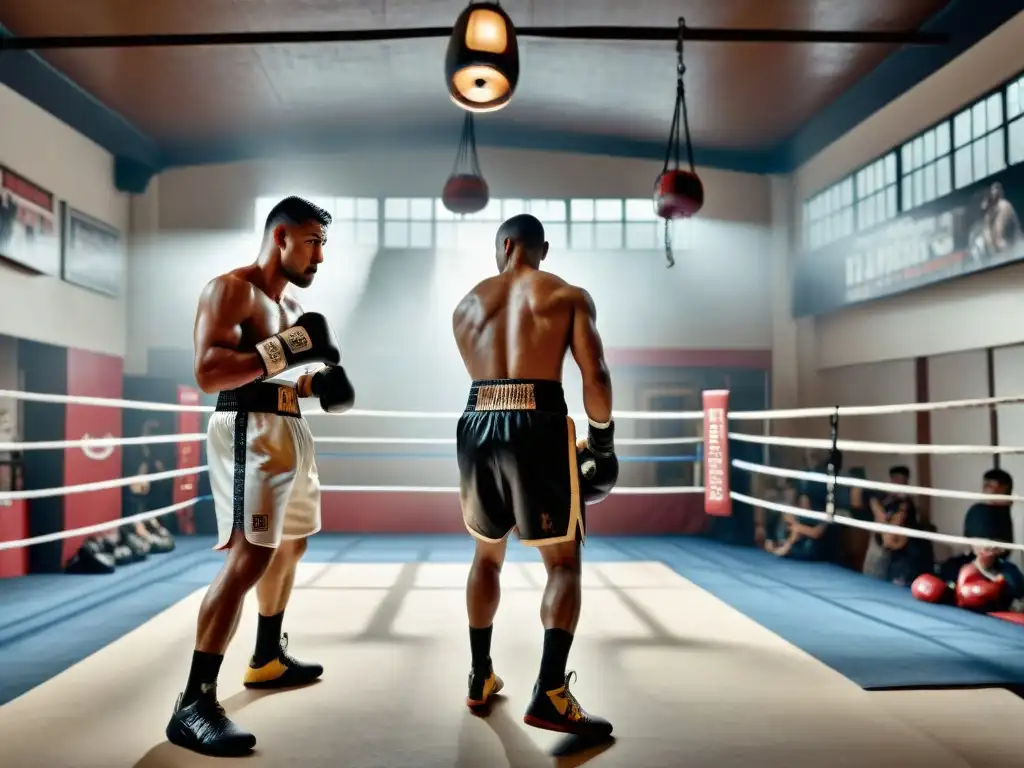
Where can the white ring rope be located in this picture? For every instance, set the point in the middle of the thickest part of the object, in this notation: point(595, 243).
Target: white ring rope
point(853, 522)
point(197, 437)
point(794, 413)
point(618, 490)
point(100, 485)
point(856, 446)
point(853, 482)
point(871, 410)
point(98, 528)
point(102, 442)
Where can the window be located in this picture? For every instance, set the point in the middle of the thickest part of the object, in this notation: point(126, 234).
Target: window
point(596, 225)
point(408, 222)
point(828, 216)
point(876, 192)
point(355, 218)
point(644, 229)
point(477, 230)
point(1015, 121)
point(978, 141)
point(927, 166)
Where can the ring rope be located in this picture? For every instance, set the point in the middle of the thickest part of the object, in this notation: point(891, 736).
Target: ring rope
point(856, 446)
point(853, 482)
point(871, 410)
point(853, 522)
point(794, 413)
point(627, 491)
point(100, 485)
point(102, 442)
point(98, 527)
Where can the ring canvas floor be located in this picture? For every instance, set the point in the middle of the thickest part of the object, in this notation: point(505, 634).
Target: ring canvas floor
point(686, 678)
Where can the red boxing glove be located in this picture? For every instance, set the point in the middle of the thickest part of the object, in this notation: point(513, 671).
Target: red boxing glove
point(931, 589)
point(975, 592)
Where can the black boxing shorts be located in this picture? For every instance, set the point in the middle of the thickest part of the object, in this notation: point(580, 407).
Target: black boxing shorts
point(516, 447)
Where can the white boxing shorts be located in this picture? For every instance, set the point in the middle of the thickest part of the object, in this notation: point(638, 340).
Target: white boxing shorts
point(262, 464)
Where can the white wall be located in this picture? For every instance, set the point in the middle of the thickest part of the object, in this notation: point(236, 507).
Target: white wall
point(971, 313)
point(54, 156)
point(1008, 363)
point(196, 222)
point(961, 376)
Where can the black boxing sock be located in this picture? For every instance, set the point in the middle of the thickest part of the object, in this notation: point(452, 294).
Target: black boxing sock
point(204, 672)
point(557, 643)
point(268, 639)
point(480, 647)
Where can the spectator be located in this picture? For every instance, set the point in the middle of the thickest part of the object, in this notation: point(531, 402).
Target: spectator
point(804, 539)
point(985, 520)
point(894, 558)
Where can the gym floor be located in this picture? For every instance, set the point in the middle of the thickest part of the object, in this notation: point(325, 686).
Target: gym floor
point(665, 649)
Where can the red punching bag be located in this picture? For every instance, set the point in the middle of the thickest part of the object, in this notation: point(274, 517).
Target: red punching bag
point(678, 194)
point(466, 190)
point(465, 193)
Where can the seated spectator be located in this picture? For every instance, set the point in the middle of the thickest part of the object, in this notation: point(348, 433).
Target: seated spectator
point(895, 558)
point(989, 583)
point(984, 520)
point(802, 539)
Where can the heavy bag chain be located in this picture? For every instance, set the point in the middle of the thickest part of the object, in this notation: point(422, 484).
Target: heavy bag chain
point(466, 157)
point(672, 151)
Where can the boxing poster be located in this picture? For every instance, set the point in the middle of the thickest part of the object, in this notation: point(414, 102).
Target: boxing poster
point(717, 494)
point(93, 254)
point(29, 236)
point(185, 487)
point(971, 230)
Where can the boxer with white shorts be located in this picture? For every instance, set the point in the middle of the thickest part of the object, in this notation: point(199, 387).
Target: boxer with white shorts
point(261, 460)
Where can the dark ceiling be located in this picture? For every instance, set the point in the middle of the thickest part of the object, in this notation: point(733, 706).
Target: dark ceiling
point(743, 97)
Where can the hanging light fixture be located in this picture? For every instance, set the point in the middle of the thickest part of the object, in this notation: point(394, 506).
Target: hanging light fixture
point(482, 64)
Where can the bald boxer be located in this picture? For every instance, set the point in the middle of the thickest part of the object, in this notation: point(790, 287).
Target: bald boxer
point(519, 463)
point(261, 461)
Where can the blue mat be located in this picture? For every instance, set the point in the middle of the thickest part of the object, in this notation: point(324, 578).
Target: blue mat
point(873, 633)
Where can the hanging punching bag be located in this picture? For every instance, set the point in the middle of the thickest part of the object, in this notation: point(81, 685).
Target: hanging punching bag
point(678, 194)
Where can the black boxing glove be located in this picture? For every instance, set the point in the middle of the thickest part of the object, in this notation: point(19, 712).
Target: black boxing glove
point(310, 340)
point(331, 385)
point(598, 465)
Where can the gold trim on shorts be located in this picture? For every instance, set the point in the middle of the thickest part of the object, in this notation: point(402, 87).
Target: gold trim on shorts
point(506, 397)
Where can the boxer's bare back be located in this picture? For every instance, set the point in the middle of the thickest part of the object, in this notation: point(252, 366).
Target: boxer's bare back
point(236, 313)
point(519, 324)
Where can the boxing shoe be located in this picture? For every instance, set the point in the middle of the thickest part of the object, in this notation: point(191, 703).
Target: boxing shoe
point(281, 672)
point(558, 710)
point(204, 727)
point(482, 685)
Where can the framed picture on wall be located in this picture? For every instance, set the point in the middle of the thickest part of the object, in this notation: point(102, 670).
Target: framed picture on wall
point(93, 253)
point(29, 234)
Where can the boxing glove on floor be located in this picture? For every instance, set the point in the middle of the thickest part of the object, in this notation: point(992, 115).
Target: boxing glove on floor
point(598, 465)
point(331, 385)
point(976, 592)
point(310, 340)
point(931, 589)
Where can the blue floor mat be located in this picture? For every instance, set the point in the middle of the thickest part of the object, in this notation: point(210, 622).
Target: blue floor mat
point(871, 632)
point(875, 634)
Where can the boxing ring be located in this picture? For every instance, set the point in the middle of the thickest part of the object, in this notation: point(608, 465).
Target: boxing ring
point(700, 652)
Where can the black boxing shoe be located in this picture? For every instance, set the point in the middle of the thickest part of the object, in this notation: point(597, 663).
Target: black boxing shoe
point(284, 671)
point(482, 685)
point(204, 727)
point(558, 710)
